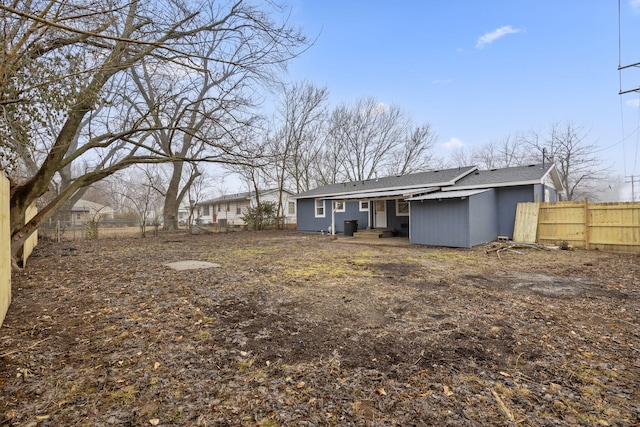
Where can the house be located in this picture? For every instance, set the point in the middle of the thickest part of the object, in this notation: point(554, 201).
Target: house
point(228, 210)
point(458, 207)
point(84, 211)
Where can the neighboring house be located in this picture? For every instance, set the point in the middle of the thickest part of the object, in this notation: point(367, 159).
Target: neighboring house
point(85, 211)
point(228, 210)
point(183, 214)
point(459, 207)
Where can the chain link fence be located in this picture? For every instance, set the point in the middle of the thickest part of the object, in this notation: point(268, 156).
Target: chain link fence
point(61, 231)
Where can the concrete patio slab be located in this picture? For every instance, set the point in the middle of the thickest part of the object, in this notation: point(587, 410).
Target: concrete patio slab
point(191, 265)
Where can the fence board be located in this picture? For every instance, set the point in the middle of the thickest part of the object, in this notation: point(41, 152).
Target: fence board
point(526, 227)
point(605, 226)
point(5, 249)
point(32, 241)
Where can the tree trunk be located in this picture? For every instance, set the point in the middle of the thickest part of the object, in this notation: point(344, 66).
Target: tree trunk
point(171, 199)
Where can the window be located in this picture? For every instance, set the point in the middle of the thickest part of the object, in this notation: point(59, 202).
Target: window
point(219, 207)
point(292, 208)
point(228, 207)
point(238, 209)
point(402, 208)
point(78, 216)
point(319, 208)
point(206, 210)
point(340, 205)
point(364, 206)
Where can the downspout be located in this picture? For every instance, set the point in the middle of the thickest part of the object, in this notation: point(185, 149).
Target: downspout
point(333, 217)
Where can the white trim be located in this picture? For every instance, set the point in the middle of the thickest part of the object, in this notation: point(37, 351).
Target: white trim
point(448, 195)
point(398, 213)
point(343, 208)
point(360, 208)
point(387, 194)
point(316, 206)
point(492, 185)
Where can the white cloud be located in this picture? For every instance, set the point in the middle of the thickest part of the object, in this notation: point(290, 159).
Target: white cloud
point(452, 144)
point(635, 103)
point(497, 34)
point(634, 4)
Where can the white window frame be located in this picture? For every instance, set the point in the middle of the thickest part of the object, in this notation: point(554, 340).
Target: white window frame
point(398, 213)
point(366, 205)
point(291, 208)
point(341, 203)
point(319, 204)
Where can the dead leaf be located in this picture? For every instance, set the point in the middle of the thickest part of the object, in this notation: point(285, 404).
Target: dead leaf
point(154, 421)
point(42, 417)
point(300, 384)
point(447, 391)
point(381, 391)
point(156, 365)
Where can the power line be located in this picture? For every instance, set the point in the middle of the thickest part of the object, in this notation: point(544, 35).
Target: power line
point(633, 180)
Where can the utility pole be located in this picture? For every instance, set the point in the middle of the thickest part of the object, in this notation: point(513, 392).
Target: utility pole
point(633, 179)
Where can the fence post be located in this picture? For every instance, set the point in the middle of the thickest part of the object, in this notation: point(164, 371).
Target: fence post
point(587, 232)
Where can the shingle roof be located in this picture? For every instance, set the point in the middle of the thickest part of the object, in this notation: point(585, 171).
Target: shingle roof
point(237, 196)
point(518, 175)
point(438, 178)
point(469, 177)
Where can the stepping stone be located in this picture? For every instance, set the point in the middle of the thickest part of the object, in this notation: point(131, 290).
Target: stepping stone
point(191, 265)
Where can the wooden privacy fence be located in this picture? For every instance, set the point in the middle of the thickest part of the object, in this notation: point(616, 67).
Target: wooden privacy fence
point(604, 226)
point(5, 249)
point(5, 245)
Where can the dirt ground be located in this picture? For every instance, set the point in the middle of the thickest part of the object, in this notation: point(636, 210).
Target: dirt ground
point(298, 330)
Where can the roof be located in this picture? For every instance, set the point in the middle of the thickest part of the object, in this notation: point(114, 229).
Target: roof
point(456, 179)
point(447, 195)
point(436, 178)
point(388, 193)
point(507, 177)
point(83, 205)
point(247, 195)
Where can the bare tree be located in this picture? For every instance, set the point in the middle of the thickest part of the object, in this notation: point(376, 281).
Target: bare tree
point(567, 145)
point(293, 146)
point(414, 153)
point(65, 60)
point(302, 113)
point(368, 138)
point(366, 133)
point(511, 151)
point(507, 152)
point(140, 190)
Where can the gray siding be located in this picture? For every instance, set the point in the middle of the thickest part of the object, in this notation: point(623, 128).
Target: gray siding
point(507, 202)
point(483, 223)
point(308, 222)
point(440, 223)
point(399, 224)
point(538, 193)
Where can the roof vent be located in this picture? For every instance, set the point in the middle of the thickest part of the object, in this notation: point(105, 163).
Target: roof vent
point(494, 169)
point(477, 173)
point(530, 166)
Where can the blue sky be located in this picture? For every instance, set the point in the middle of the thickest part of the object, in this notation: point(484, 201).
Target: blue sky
point(478, 71)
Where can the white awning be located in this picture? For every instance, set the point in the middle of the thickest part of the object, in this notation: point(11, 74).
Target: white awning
point(447, 195)
point(407, 192)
